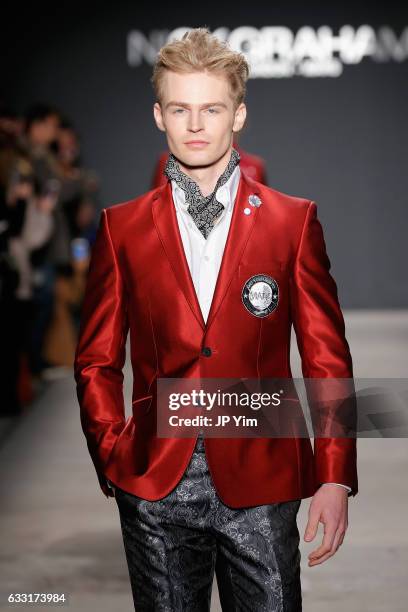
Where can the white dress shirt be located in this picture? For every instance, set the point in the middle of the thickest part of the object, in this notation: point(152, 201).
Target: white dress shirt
point(204, 256)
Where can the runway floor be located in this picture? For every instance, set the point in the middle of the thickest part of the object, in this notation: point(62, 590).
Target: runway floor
point(60, 534)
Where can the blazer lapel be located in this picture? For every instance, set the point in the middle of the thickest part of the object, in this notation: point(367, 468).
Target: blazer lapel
point(239, 232)
point(165, 219)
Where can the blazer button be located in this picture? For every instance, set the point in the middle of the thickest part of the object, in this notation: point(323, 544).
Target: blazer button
point(206, 351)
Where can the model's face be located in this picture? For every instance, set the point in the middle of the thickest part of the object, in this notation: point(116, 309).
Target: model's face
point(197, 113)
point(45, 131)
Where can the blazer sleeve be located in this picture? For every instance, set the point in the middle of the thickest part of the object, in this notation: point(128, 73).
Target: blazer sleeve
point(100, 352)
point(324, 350)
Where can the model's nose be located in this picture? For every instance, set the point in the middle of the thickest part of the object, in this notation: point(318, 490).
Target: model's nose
point(195, 122)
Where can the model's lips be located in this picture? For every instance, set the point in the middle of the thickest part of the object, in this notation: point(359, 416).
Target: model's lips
point(196, 143)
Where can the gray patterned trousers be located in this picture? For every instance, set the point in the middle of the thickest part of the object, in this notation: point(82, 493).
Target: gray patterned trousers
point(174, 545)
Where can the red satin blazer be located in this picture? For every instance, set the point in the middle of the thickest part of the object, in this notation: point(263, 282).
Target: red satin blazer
point(139, 282)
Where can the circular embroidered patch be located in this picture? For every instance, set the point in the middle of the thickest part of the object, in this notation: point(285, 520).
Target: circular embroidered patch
point(260, 295)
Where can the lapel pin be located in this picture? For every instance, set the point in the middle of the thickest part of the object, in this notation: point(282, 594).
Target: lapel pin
point(254, 200)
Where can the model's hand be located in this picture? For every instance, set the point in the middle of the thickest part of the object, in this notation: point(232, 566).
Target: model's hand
point(330, 507)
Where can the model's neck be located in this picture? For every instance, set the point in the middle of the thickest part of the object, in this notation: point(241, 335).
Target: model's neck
point(206, 177)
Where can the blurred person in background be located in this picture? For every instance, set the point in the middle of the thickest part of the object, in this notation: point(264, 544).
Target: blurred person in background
point(79, 194)
point(28, 224)
point(78, 199)
point(11, 127)
point(61, 336)
point(48, 205)
point(40, 132)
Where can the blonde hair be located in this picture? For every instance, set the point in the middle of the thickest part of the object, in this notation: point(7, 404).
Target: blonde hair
point(198, 51)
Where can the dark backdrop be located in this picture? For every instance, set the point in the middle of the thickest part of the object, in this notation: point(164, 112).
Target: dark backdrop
point(339, 141)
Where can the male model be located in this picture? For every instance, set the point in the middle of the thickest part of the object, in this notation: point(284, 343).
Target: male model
point(172, 267)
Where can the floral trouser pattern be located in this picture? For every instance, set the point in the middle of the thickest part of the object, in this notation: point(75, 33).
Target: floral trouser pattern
point(174, 545)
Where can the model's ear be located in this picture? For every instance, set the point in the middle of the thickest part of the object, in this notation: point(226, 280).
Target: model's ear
point(239, 119)
point(158, 117)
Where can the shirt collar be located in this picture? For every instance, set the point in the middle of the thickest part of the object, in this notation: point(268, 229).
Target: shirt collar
point(225, 194)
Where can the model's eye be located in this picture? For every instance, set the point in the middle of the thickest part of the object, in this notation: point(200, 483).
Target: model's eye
point(212, 111)
point(179, 111)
